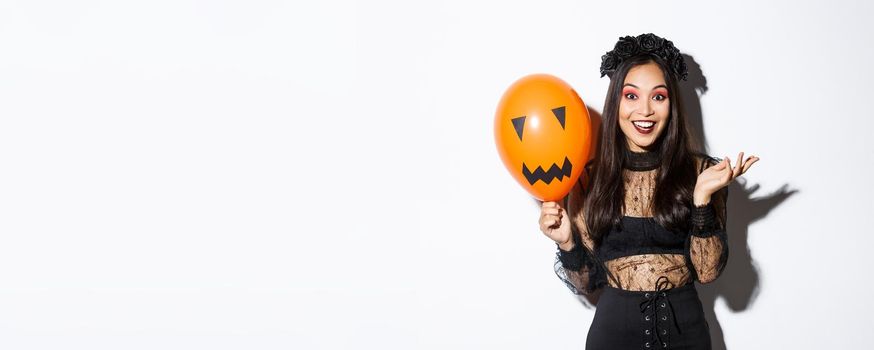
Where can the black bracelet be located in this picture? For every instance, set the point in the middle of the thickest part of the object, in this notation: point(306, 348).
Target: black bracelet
point(571, 259)
point(704, 220)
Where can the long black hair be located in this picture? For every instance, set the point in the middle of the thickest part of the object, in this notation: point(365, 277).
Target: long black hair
point(676, 175)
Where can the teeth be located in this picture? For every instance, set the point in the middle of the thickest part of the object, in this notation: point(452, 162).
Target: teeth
point(644, 124)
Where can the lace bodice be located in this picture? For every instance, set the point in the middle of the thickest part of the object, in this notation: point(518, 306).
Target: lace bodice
point(636, 254)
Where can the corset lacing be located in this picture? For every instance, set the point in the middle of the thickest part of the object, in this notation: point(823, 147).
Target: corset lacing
point(654, 301)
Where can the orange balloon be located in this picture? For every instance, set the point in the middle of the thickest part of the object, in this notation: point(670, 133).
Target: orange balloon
point(543, 134)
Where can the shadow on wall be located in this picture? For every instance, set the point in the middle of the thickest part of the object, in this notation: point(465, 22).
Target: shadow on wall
point(739, 282)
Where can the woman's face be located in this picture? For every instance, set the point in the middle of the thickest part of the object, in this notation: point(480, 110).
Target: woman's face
point(644, 106)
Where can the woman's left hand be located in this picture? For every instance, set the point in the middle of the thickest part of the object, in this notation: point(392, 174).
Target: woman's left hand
point(720, 175)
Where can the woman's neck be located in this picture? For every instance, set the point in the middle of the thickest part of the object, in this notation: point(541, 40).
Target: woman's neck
point(641, 161)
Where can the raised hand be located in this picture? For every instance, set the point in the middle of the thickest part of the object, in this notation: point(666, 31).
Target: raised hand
point(720, 175)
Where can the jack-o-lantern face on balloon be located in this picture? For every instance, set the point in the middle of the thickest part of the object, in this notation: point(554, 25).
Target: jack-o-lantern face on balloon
point(543, 134)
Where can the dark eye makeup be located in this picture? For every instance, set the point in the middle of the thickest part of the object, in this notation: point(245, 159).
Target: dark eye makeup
point(658, 97)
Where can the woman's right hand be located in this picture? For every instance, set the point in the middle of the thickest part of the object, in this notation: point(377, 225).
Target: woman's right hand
point(556, 224)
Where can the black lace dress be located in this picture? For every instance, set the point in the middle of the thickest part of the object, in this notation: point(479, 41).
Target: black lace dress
point(645, 271)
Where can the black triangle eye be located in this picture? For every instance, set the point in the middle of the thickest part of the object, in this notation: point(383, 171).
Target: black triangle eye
point(559, 113)
point(519, 124)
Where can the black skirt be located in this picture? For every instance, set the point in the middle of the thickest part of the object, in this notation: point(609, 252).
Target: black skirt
point(662, 319)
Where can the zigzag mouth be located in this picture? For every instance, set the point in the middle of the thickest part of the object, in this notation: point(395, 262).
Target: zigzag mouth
point(554, 172)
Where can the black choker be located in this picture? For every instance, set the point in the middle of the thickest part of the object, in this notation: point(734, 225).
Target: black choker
point(641, 161)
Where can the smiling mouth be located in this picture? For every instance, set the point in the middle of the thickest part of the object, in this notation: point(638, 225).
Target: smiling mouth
point(644, 127)
point(554, 172)
point(643, 124)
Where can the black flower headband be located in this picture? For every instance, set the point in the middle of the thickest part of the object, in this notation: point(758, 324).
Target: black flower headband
point(629, 46)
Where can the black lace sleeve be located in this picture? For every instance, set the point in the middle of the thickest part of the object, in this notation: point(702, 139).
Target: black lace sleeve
point(707, 243)
point(579, 268)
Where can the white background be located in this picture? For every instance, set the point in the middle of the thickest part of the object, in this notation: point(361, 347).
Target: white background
point(322, 175)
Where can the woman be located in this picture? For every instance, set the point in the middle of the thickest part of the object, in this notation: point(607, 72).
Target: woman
point(647, 217)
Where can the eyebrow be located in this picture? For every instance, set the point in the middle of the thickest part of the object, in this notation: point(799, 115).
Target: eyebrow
point(635, 86)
